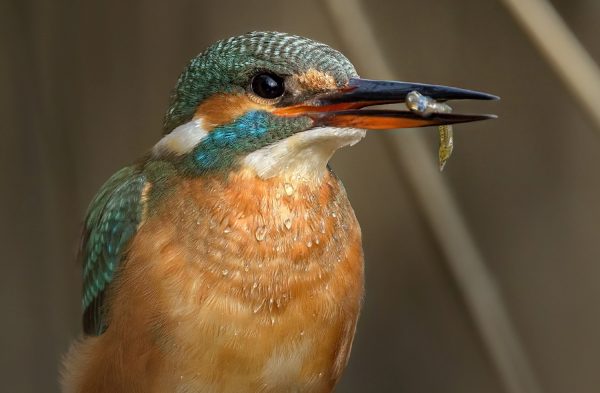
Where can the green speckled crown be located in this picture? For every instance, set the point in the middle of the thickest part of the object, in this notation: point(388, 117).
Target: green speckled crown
point(228, 65)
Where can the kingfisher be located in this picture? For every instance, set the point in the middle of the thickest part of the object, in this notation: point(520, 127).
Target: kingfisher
point(228, 259)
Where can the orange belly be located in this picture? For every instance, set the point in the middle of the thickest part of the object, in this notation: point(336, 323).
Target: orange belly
point(244, 285)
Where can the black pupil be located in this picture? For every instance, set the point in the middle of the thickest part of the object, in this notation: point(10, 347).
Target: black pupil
point(268, 85)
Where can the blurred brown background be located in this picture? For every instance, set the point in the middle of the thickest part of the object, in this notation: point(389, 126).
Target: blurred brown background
point(83, 88)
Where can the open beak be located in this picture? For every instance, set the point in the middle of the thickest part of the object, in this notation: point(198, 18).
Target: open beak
point(342, 108)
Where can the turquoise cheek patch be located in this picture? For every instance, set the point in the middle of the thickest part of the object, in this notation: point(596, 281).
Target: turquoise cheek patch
point(220, 146)
point(252, 131)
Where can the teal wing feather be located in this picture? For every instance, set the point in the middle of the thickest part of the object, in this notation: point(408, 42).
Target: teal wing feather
point(112, 219)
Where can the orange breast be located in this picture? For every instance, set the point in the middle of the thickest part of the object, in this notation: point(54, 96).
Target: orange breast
point(240, 285)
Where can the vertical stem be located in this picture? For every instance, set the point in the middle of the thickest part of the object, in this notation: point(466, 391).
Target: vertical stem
point(562, 50)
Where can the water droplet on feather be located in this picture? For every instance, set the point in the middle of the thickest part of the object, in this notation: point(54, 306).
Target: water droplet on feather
point(289, 189)
point(261, 232)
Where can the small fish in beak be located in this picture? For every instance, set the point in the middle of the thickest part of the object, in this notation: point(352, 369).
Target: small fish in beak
point(426, 106)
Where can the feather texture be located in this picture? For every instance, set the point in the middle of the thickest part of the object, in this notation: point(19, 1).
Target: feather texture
point(112, 219)
point(225, 290)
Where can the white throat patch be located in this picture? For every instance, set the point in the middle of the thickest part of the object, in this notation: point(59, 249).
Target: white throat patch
point(303, 155)
point(181, 140)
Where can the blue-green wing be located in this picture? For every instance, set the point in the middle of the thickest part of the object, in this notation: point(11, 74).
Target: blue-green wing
point(112, 219)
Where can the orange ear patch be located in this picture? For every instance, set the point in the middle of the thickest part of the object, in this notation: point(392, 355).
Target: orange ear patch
point(225, 108)
point(316, 80)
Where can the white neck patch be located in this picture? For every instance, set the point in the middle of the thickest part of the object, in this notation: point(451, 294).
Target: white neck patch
point(303, 155)
point(182, 139)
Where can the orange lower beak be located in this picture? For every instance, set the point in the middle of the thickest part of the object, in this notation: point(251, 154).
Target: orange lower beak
point(389, 119)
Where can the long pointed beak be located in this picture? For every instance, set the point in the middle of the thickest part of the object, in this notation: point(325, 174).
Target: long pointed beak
point(342, 108)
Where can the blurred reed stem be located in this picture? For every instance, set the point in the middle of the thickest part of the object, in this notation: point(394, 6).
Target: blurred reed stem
point(562, 50)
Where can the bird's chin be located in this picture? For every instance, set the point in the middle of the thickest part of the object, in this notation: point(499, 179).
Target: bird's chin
point(330, 137)
point(302, 156)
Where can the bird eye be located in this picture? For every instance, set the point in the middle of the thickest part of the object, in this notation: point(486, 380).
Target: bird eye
point(268, 85)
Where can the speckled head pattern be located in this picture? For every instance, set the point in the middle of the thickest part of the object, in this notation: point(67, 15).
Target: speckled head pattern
point(228, 65)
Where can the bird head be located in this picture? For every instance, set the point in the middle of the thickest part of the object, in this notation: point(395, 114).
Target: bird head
point(281, 104)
